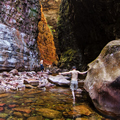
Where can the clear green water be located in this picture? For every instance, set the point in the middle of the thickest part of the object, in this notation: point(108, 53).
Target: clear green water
point(54, 98)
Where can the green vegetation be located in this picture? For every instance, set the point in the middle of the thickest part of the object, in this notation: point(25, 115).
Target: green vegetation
point(33, 13)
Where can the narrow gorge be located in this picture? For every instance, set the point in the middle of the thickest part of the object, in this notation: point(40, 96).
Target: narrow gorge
point(83, 33)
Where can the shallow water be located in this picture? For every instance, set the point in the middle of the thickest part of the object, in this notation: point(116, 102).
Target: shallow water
point(27, 105)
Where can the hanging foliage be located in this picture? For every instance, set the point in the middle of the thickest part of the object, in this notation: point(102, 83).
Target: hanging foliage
point(45, 42)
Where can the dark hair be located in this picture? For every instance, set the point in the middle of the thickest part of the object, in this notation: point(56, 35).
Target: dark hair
point(73, 67)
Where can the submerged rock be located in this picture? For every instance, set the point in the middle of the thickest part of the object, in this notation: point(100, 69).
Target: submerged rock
point(103, 80)
point(80, 110)
point(3, 95)
point(18, 114)
point(35, 118)
point(3, 115)
point(49, 113)
point(24, 110)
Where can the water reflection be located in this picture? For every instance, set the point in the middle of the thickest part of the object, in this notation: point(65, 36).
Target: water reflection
point(55, 103)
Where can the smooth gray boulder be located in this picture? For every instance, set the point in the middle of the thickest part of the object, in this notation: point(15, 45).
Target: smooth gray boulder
point(103, 80)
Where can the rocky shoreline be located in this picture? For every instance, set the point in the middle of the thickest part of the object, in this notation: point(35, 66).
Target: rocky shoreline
point(14, 80)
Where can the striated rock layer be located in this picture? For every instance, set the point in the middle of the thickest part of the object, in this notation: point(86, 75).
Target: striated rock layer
point(103, 80)
point(18, 33)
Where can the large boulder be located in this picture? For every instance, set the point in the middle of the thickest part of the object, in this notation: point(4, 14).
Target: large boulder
point(18, 33)
point(103, 80)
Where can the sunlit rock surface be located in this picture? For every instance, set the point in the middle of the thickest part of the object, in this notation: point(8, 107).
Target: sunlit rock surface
point(18, 33)
point(103, 80)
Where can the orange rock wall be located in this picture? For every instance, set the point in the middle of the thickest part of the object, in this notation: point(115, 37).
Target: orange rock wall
point(45, 41)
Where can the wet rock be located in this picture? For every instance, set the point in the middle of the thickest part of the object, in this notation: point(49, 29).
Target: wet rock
point(1, 109)
point(82, 110)
point(31, 74)
point(2, 104)
point(103, 80)
point(78, 111)
point(49, 113)
point(35, 118)
point(25, 110)
point(26, 115)
point(17, 97)
point(43, 82)
point(5, 74)
point(12, 106)
point(59, 80)
point(28, 101)
point(18, 114)
point(2, 119)
point(78, 92)
point(3, 115)
point(82, 119)
point(55, 70)
point(31, 81)
point(3, 95)
point(14, 72)
point(29, 86)
point(34, 92)
point(58, 119)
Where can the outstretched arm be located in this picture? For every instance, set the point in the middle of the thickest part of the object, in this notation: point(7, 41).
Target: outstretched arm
point(82, 72)
point(64, 73)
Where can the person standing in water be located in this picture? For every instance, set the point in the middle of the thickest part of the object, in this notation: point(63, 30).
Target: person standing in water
point(74, 79)
point(41, 65)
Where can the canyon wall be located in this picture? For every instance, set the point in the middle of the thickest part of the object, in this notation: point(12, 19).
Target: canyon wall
point(18, 32)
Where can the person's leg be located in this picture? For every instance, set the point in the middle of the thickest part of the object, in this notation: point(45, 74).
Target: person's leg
point(72, 89)
point(42, 67)
point(73, 94)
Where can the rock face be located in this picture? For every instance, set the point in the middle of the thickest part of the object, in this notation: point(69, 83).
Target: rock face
point(103, 80)
point(18, 33)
